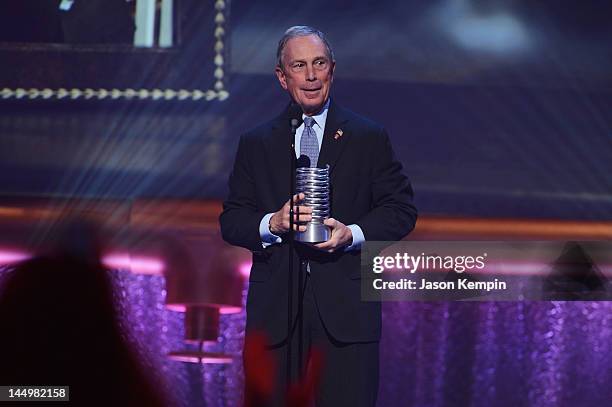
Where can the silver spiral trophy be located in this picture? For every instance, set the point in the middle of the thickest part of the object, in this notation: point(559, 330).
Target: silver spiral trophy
point(314, 184)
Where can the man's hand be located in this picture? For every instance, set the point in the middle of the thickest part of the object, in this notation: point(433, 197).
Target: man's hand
point(279, 222)
point(341, 236)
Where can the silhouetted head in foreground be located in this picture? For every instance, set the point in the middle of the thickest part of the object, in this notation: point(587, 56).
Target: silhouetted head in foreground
point(59, 327)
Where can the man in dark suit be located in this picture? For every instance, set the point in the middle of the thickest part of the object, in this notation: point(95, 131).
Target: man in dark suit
point(371, 200)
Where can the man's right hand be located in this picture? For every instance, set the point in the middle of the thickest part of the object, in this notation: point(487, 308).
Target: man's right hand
point(279, 222)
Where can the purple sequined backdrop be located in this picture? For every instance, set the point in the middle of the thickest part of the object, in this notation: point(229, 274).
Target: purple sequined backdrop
point(540, 354)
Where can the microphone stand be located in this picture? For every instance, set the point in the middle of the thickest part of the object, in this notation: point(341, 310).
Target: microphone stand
point(294, 125)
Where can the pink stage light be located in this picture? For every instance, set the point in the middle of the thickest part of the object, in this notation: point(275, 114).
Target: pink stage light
point(229, 310)
point(245, 269)
point(223, 310)
point(12, 256)
point(200, 357)
point(137, 264)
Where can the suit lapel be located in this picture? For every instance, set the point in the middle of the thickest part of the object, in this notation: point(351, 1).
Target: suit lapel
point(334, 137)
point(278, 153)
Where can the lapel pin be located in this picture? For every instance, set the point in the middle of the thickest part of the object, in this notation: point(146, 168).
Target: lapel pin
point(338, 134)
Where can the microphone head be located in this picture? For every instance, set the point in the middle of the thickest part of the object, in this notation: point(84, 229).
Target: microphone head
point(303, 162)
point(294, 112)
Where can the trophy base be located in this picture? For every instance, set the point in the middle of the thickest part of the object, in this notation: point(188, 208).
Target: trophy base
point(314, 233)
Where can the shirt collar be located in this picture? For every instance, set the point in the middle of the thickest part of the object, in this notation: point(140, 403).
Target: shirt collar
point(321, 117)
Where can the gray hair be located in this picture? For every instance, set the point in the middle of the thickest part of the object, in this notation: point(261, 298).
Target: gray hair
point(301, 31)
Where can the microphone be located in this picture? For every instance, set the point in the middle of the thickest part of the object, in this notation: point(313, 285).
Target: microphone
point(303, 162)
point(295, 116)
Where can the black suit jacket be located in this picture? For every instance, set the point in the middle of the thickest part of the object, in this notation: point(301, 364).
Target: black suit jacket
point(367, 189)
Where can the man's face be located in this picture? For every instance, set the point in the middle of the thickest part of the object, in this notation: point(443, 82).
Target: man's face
point(306, 72)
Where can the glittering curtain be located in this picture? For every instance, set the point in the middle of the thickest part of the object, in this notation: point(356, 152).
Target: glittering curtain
point(539, 354)
point(536, 354)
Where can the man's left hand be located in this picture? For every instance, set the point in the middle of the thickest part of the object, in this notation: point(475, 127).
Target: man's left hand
point(341, 236)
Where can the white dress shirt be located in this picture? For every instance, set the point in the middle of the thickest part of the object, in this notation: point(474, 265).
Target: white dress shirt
point(267, 237)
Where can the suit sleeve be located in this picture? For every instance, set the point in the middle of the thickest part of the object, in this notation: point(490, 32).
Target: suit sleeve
point(240, 218)
point(392, 215)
